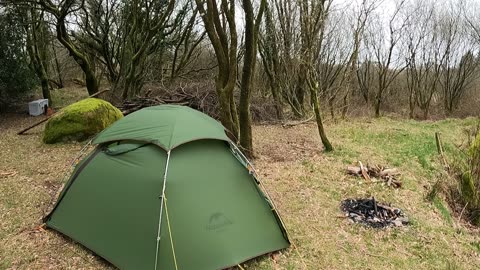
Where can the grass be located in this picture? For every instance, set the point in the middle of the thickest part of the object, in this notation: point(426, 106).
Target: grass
point(306, 184)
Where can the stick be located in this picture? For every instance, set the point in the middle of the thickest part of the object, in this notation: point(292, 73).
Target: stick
point(364, 172)
point(34, 125)
point(98, 93)
point(440, 150)
point(461, 213)
point(44, 120)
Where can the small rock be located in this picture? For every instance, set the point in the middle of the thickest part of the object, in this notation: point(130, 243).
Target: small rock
point(404, 220)
point(397, 223)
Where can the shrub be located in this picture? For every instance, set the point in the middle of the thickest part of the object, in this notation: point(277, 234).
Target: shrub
point(16, 78)
point(466, 192)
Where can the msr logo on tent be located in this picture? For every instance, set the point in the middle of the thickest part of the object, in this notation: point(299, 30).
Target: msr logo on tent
point(218, 221)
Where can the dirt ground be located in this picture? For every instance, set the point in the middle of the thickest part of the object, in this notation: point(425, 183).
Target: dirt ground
point(306, 184)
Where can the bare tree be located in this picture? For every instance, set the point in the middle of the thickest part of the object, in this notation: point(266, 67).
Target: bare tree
point(60, 12)
point(221, 29)
point(37, 41)
point(148, 23)
point(387, 58)
point(423, 57)
point(332, 62)
point(365, 77)
point(459, 66)
point(289, 48)
point(313, 16)
point(187, 39)
point(269, 52)
point(358, 27)
point(252, 25)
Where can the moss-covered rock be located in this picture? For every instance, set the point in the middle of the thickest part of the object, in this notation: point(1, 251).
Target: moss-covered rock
point(80, 120)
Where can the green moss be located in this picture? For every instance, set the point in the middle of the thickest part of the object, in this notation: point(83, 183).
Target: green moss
point(80, 120)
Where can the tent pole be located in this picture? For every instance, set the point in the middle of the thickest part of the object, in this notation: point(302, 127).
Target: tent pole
point(161, 209)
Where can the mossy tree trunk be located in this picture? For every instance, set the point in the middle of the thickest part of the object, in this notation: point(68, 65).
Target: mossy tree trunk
point(223, 37)
point(36, 30)
point(252, 25)
point(313, 17)
point(312, 85)
point(60, 11)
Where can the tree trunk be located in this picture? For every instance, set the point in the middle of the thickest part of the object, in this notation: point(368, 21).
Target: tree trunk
point(378, 102)
point(91, 81)
point(226, 109)
point(411, 103)
point(81, 59)
point(277, 100)
point(346, 104)
point(331, 107)
point(425, 113)
point(57, 66)
point(299, 98)
point(318, 117)
point(46, 90)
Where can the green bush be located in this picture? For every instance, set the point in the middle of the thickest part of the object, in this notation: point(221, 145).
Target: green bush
point(16, 78)
point(468, 175)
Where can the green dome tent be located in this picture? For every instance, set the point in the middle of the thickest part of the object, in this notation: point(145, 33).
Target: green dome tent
point(166, 189)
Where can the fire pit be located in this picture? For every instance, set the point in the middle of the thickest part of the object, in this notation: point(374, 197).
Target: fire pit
point(373, 214)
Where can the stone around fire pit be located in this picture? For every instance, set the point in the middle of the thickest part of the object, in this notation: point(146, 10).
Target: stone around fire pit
point(370, 213)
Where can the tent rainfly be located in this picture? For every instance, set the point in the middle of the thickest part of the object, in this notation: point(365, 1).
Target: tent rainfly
point(165, 189)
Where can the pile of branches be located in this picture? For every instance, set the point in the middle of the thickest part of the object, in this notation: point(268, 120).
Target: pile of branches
point(383, 174)
point(202, 100)
point(373, 214)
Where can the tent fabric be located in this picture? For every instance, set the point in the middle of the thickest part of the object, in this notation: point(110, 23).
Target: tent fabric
point(167, 126)
point(217, 214)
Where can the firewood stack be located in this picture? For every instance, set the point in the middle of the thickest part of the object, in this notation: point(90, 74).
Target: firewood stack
point(204, 101)
point(383, 174)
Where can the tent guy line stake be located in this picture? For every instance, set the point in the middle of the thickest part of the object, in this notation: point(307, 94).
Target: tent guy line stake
point(161, 209)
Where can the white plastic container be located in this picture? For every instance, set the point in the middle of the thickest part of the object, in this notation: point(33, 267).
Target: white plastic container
point(37, 107)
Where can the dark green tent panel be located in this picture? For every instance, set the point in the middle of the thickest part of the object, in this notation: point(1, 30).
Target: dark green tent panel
point(148, 200)
point(168, 126)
